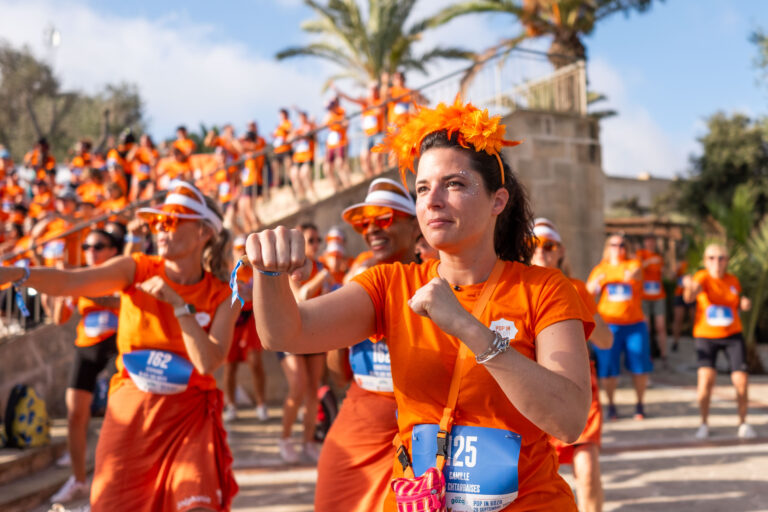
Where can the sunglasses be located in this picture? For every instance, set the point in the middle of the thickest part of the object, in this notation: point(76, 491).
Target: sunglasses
point(621, 245)
point(370, 215)
point(166, 223)
point(548, 246)
point(96, 247)
point(718, 258)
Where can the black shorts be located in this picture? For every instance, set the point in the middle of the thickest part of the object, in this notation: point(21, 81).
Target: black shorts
point(250, 189)
point(90, 361)
point(733, 346)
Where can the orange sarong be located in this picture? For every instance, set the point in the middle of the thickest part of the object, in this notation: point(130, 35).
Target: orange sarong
point(162, 452)
point(355, 465)
point(592, 430)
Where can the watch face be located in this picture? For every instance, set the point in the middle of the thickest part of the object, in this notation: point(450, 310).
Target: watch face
point(190, 308)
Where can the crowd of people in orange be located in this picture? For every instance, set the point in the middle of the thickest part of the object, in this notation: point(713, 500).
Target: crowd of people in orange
point(418, 328)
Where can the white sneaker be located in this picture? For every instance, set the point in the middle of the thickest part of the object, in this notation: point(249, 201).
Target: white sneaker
point(746, 431)
point(64, 461)
point(312, 452)
point(288, 452)
point(230, 413)
point(703, 432)
point(262, 414)
point(71, 490)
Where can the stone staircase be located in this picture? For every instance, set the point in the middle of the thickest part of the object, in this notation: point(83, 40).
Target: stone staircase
point(28, 478)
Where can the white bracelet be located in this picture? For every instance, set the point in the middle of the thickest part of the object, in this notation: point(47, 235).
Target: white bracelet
point(499, 345)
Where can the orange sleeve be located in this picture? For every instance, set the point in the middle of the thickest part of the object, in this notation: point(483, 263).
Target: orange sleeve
point(589, 300)
point(144, 264)
point(374, 281)
point(558, 301)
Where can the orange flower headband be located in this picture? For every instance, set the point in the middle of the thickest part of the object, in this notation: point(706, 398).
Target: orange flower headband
point(473, 125)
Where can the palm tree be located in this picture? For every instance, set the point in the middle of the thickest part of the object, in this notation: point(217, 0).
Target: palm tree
point(367, 48)
point(566, 21)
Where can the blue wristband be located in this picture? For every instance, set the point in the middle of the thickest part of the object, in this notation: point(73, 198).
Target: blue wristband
point(17, 294)
point(268, 273)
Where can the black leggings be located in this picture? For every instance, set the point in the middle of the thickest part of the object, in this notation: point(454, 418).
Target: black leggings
point(90, 361)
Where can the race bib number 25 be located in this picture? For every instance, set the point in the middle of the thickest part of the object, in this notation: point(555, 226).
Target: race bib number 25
point(481, 467)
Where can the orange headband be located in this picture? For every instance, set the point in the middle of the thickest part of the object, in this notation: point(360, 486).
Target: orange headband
point(473, 125)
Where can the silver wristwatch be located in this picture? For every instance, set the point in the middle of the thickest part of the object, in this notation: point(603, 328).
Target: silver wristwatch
point(499, 345)
point(186, 309)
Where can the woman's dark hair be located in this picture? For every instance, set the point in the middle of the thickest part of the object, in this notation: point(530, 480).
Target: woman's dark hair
point(513, 235)
point(114, 241)
point(304, 226)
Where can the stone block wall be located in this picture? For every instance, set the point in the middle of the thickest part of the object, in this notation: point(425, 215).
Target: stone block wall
point(560, 164)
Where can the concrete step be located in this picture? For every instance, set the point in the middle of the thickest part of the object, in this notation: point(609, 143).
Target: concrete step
point(16, 463)
point(35, 477)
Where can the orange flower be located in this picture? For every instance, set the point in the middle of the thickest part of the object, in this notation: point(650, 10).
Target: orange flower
point(474, 126)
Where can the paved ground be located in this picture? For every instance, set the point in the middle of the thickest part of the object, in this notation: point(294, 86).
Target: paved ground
point(650, 465)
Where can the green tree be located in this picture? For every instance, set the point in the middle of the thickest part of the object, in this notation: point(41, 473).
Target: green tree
point(565, 21)
point(33, 105)
point(734, 152)
point(365, 47)
point(760, 39)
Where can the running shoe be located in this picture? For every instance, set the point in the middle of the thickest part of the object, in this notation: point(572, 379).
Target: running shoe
point(288, 452)
point(746, 431)
point(262, 414)
point(312, 452)
point(230, 413)
point(702, 432)
point(71, 490)
point(64, 461)
point(613, 415)
point(639, 412)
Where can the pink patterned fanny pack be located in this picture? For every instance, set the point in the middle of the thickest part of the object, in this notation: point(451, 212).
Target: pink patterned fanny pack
point(421, 494)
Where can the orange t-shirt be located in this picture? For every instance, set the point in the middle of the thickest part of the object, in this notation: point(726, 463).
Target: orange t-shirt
point(621, 300)
point(653, 288)
point(281, 135)
point(142, 163)
point(96, 324)
point(373, 117)
point(40, 205)
point(400, 104)
point(525, 301)
point(80, 161)
point(147, 323)
point(114, 157)
point(304, 149)
point(114, 205)
point(337, 132)
point(92, 192)
point(55, 249)
point(717, 306)
point(169, 169)
point(186, 146)
point(589, 300)
point(252, 172)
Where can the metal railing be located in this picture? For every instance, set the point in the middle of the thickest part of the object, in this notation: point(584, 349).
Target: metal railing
point(502, 83)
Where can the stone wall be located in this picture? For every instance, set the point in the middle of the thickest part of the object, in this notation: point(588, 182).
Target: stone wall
point(560, 164)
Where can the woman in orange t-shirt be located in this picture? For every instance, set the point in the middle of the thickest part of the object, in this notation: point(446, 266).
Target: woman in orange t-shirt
point(474, 211)
point(162, 444)
point(95, 347)
point(336, 146)
point(281, 145)
point(584, 453)
point(618, 284)
point(303, 159)
point(251, 177)
point(373, 113)
point(716, 328)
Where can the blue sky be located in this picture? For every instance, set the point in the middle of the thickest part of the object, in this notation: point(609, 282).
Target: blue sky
point(664, 71)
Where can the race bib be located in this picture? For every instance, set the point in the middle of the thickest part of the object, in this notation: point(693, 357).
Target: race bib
point(370, 122)
point(157, 371)
point(481, 467)
point(401, 108)
point(99, 323)
point(143, 170)
point(245, 175)
point(371, 366)
point(652, 287)
point(333, 138)
point(302, 146)
point(223, 189)
point(719, 316)
point(619, 292)
point(54, 250)
point(279, 141)
point(111, 163)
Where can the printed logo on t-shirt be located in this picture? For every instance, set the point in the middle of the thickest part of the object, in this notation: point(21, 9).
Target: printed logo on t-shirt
point(619, 292)
point(203, 318)
point(504, 327)
point(99, 323)
point(370, 122)
point(652, 287)
point(302, 145)
point(333, 138)
point(719, 316)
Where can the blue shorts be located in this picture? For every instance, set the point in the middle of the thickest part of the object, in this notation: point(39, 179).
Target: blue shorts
point(633, 342)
